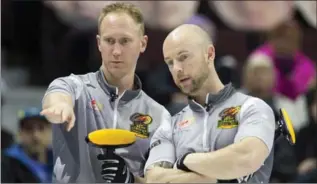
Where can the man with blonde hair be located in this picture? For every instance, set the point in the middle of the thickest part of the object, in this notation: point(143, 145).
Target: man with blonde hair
point(109, 98)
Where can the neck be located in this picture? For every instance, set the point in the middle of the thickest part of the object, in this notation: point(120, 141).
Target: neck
point(212, 85)
point(124, 83)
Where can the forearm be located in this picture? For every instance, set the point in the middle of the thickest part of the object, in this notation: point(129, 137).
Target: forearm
point(191, 177)
point(225, 164)
point(55, 98)
point(163, 175)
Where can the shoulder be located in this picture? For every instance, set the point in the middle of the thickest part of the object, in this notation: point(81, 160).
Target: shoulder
point(73, 84)
point(72, 79)
point(85, 79)
point(254, 105)
point(254, 102)
point(150, 103)
point(153, 108)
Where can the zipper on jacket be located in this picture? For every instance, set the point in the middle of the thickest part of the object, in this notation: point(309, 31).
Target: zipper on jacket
point(204, 138)
point(205, 123)
point(115, 110)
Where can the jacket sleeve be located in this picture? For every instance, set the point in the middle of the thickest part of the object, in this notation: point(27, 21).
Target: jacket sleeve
point(65, 155)
point(71, 85)
point(161, 146)
point(256, 120)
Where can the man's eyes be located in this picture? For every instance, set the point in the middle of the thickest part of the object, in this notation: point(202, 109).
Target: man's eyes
point(122, 41)
point(182, 57)
point(110, 40)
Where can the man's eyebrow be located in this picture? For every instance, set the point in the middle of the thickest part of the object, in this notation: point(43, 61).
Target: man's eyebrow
point(112, 36)
point(167, 59)
point(181, 52)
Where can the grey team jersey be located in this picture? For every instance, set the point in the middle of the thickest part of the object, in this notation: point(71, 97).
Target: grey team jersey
point(96, 107)
point(230, 117)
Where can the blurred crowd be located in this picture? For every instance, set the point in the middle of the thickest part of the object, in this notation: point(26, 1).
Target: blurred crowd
point(264, 48)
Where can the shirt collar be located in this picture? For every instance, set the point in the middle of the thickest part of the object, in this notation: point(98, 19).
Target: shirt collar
point(213, 99)
point(113, 91)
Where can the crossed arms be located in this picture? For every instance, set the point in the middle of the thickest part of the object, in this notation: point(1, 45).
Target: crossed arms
point(251, 147)
point(163, 172)
point(234, 161)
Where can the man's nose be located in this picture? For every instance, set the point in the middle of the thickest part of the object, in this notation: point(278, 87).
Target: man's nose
point(37, 133)
point(116, 50)
point(177, 67)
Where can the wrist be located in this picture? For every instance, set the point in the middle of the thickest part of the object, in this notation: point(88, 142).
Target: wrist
point(181, 163)
point(186, 159)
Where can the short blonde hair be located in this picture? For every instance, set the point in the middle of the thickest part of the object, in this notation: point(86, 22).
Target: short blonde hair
point(119, 7)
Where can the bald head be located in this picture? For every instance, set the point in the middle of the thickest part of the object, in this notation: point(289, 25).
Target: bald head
point(189, 54)
point(188, 34)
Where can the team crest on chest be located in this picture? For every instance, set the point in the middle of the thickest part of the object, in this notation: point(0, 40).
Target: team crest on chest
point(228, 118)
point(140, 124)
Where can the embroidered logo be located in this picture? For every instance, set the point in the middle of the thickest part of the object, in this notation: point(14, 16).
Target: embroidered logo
point(185, 123)
point(141, 124)
point(228, 118)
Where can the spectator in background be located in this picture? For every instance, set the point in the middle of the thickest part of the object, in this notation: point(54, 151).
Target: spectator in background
point(306, 146)
point(293, 69)
point(29, 160)
point(258, 80)
point(295, 72)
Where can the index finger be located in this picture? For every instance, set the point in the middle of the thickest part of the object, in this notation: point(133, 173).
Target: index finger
point(46, 112)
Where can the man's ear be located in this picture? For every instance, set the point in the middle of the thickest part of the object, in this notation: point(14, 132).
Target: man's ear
point(98, 42)
point(144, 43)
point(211, 53)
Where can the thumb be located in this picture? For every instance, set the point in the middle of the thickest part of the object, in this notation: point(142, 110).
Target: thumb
point(65, 116)
point(71, 122)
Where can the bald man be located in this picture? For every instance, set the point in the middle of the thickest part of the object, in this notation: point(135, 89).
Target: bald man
point(222, 135)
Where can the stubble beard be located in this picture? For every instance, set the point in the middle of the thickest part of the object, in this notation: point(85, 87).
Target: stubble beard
point(197, 83)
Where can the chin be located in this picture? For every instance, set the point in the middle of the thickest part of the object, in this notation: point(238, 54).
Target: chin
point(117, 71)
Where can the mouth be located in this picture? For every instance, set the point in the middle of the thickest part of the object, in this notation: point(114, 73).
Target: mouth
point(182, 80)
point(116, 62)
